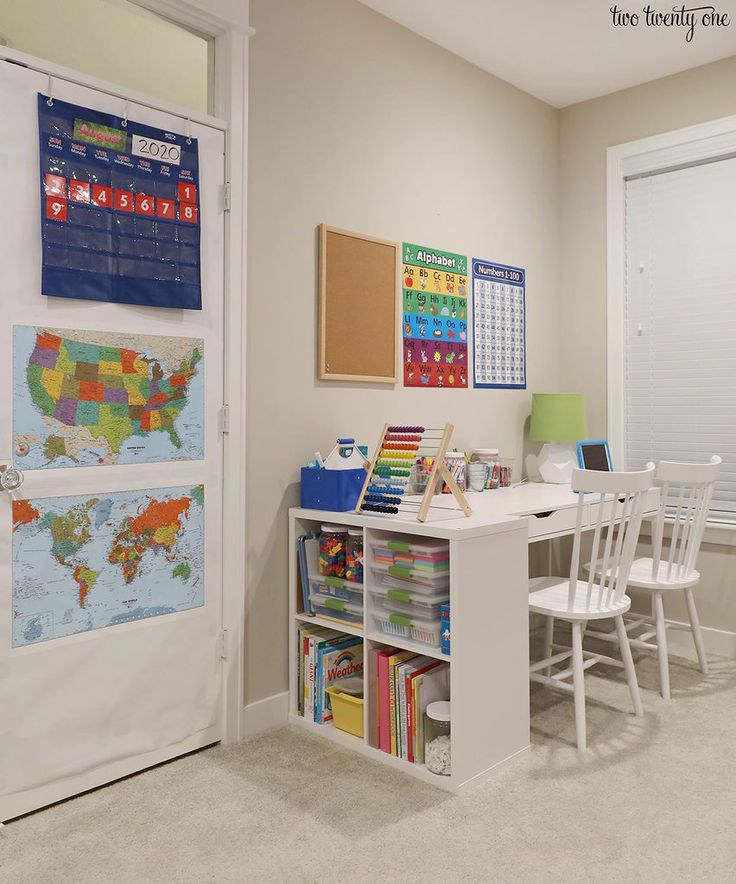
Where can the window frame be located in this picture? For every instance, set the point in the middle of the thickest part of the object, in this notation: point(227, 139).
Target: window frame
point(705, 142)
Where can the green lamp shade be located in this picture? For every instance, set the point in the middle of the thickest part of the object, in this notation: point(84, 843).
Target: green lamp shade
point(557, 417)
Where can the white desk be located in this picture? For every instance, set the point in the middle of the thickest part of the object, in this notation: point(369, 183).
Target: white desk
point(489, 664)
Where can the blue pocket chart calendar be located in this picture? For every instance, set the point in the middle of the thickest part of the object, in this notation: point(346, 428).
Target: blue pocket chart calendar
point(119, 209)
point(499, 326)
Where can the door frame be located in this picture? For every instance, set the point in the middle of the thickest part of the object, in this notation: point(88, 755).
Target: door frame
point(230, 37)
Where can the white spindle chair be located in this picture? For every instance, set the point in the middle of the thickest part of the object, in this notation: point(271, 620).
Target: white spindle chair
point(620, 498)
point(687, 490)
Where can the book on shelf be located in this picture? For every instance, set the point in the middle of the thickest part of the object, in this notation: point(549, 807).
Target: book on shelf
point(419, 667)
point(303, 633)
point(445, 627)
point(405, 682)
point(393, 661)
point(326, 657)
point(337, 664)
point(382, 706)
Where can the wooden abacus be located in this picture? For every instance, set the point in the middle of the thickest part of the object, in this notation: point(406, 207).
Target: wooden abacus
point(390, 469)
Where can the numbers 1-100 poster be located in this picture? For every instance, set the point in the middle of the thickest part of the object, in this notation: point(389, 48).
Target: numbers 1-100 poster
point(435, 317)
point(499, 325)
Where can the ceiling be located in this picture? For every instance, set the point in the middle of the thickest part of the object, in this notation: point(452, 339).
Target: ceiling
point(566, 51)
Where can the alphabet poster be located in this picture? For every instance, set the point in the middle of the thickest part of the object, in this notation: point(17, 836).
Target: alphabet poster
point(499, 326)
point(119, 209)
point(435, 317)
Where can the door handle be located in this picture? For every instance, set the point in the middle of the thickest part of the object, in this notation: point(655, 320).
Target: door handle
point(10, 478)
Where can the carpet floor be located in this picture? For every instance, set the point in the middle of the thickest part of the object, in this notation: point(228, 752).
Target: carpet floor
point(652, 800)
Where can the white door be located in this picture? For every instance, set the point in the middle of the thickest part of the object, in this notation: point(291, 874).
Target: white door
point(110, 568)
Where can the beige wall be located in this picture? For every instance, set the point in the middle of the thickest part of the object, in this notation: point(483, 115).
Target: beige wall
point(587, 129)
point(359, 123)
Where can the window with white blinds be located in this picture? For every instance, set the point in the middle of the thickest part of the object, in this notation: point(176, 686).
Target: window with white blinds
point(680, 321)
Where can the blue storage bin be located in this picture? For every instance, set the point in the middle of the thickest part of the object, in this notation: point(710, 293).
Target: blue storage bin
point(335, 490)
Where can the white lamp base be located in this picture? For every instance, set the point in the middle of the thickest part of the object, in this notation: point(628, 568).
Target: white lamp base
point(556, 462)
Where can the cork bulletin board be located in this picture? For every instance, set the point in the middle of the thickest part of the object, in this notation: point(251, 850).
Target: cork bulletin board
point(357, 307)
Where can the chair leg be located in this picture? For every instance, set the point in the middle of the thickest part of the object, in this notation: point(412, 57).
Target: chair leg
point(697, 634)
point(549, 634)
point(578, 676)
point(623, 640)
point(664, 666)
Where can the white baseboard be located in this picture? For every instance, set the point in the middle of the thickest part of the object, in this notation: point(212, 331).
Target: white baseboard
point(264, 714)
point(716, 641)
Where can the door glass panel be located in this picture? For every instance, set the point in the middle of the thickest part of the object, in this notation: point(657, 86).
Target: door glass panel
point(117, 41)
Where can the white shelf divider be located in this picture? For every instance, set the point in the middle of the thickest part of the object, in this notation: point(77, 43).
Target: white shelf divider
point(406, 644)
point(349, 628)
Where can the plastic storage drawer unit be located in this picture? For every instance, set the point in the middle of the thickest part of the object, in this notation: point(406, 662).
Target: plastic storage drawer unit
point(338, 588)
point(405, 601)
point(336, 609)
point(399, 577)
point(418, 555)
point(424, 630)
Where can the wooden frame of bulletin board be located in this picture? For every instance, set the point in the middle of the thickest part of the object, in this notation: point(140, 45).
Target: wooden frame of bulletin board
point(358, 302)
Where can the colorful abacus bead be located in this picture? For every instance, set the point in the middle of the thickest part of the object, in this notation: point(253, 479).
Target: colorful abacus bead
point(377, 508)
point(383, 499)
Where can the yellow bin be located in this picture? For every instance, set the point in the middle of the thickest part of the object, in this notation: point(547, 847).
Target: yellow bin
point(347, 711)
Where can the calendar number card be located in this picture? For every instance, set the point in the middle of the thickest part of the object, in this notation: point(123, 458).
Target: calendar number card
point(499, 326)
point(119, 209)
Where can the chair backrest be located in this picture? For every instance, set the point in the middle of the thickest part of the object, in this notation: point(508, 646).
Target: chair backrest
point(620, 498)
point(687, 489)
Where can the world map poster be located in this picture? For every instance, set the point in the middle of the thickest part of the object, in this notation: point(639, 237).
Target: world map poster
point(90, 561)
point(84, 398)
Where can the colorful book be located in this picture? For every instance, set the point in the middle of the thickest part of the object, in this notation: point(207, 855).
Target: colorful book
point(316, 642)
point(393, 661)
point(312, 635)
point(445, 627)
point(382, 679)
point(371, 683)
point(303, 633)
point(421, 665)
point(401, 671)
point(415, 682)
point(308, 679)
point(336, 662)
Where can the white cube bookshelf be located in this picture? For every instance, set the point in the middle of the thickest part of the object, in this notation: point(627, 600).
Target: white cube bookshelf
point(489, 684)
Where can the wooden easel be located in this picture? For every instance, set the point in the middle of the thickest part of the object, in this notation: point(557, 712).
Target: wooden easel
point(392, 503)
